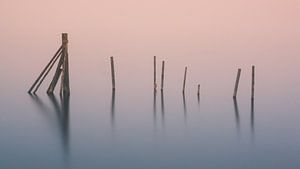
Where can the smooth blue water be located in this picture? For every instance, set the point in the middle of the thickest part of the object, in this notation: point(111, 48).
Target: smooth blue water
point(136, 128)
point(140, 129)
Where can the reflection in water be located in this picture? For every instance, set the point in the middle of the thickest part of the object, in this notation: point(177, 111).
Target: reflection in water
point(162, 107)
point(198, 99)
point(184, 107)
point(237, 117)
point(154, 107)
point(112, 109)
point(252, 119)
point(62, 113)
point(198, 96)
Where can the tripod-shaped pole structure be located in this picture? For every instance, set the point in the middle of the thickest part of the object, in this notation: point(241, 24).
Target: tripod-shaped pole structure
point(62, 70)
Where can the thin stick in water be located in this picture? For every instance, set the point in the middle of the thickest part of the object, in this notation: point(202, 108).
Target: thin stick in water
point(162, 75)
point(154, 80)
point(112, 72)
point(184, 79)
point(252, 83)
point(237, 83)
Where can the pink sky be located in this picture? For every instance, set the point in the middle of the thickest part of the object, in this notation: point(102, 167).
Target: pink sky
point(212, 35)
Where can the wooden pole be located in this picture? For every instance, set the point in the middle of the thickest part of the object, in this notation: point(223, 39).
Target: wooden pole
point(184, 79)
point(237, 83)
point(47, 72)
point(252, 83)
point(154, 80)
point(56, 75)
point(65, 87)
point(45, 69)
point(162, 75)
point(112, 72)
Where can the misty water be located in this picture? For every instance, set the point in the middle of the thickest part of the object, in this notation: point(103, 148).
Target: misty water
point(136, 128)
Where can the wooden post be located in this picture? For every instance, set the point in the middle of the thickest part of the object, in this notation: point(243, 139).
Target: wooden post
point(184, 79)
point(252, 83)
point(52, 61)
point(56, 75)
point(112, 73)
point(154, 80)
point(162, 75)
point(65, 87)
point(237, 83)
point(61, 70)
point(46, 73)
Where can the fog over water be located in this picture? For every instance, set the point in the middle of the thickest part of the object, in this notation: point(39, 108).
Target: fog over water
point(135, 127)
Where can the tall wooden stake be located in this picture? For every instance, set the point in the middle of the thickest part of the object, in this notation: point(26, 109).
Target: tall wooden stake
point(237, 83)
point(184, 79)
point(162, 75)
point(154, 80)
point(61, 70)
point(112, 72)
point(252, 83)
point(65, 87)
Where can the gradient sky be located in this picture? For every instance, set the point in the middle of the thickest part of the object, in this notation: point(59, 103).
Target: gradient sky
point(215, 33)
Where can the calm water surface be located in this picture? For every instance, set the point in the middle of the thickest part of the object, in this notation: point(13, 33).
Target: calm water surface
point(137, 128)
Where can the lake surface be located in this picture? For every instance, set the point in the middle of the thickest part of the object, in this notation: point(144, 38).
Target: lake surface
point(136, 128)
